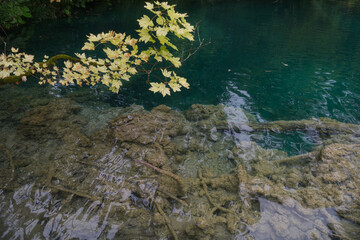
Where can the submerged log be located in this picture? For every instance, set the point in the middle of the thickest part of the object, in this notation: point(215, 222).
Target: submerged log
point(323, 126)
point(6, 151)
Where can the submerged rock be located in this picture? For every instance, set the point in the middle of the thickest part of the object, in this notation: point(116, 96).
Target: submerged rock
point(160, 125)
point(164, 173)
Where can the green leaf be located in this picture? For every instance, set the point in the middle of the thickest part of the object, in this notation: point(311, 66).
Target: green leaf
point(160, 20)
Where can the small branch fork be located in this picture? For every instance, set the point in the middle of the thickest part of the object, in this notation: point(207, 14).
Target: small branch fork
point(191, 51)
point(184, 56)
point(167, 173)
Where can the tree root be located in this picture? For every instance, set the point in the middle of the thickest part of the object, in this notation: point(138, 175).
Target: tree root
point(74, 192)
point(167, 220)
point(77, 193)
point(91, 164)
point(173, 197)
point(324, 126)
point(50, 175)
point(6, 151)
point(203, 183)
point(66, 201)
point(167, 173)
point(291, 160)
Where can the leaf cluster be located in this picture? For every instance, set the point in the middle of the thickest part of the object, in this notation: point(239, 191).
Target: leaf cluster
point(123, 55)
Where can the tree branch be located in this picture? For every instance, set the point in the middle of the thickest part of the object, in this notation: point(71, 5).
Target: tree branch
point(51, 62)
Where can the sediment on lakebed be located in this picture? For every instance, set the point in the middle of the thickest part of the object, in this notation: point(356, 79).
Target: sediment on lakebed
point(71, 171)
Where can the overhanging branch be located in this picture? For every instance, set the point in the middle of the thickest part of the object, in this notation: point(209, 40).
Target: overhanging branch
point(51, 62)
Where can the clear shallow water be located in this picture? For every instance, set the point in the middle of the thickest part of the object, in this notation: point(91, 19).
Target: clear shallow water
point(279, 61)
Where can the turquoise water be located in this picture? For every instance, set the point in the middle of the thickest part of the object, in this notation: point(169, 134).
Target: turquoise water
point(277, 59)
point(68, 155)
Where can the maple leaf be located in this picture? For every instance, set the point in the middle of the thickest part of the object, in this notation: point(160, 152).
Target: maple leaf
point(149, 6)
point(88, 46)
point(160, 31)
point(175, 61)
point(28, 58)
point(93, 38)
point(166, 73)
point(111, 54)
point(145, 22)
point(81, 56)
point(160, 87)
point(183, 82)
point(68, 64)
point(144, 35)
point(175, 86)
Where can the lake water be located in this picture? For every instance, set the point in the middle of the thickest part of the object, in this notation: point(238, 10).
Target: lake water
point(68, 155)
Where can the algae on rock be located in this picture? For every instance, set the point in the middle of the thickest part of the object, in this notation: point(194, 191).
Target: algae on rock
point(170, 174)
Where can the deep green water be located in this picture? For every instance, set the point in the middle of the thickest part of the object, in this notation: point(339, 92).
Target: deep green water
point(277, 59)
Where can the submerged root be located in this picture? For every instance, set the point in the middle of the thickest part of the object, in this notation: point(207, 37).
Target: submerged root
point(203, 183)
point(296, 158)
point(50, 174)
point(173, 197)
point(167, 220)
point(77, 193)
point(167, 173)
point(6, 151)
point(91, 164)
point(323, 126)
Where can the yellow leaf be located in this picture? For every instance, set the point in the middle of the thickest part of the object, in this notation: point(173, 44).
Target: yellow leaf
point(14, 50)
point(111, 53)
point(93, 38)
point(68, 64)
point(175, 86)
point(144, 35)
point(149, 6)
point(132, 71)
point(175, 61)
point(88, 46)
point(166, 73)
point(81, 56)
point(160, 20)
point(160, 87)
point(161, 31)
point(145, 22)
point(183, 82)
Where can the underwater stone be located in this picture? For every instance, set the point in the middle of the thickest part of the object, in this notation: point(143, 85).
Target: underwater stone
point(159, 125)
point(199, 112)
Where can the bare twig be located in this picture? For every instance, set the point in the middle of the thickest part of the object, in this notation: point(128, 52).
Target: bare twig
point(4, 149)
point(80, 194)
point(289, 160)
point(173, 197)
point(167, 220)
point(203, 183)
point(4, 41)
point(167, 173)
